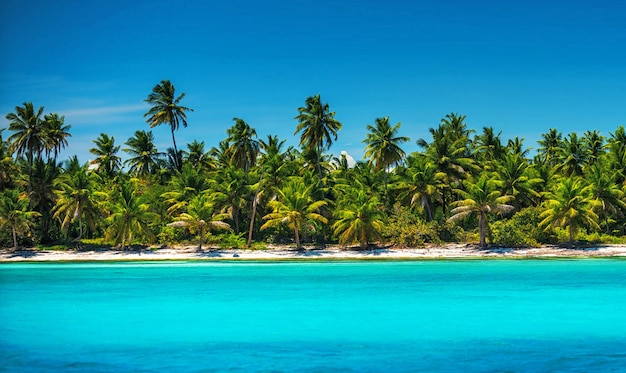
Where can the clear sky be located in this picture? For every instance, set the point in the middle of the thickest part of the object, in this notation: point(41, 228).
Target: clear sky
point(521, 67)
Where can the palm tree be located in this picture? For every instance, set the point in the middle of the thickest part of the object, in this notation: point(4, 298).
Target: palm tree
point(421, 184)
point(570, 205)
point(573, 155)
point(198, 157)
point(15, 214)
point(8, 168)
point(185, 185)
point(76, 199)
point(230, 192)
point(359, 218)
point(448, 152)
point(482, 198)
point(318, 126)
point(515, 173)
point(42, 195)
point(243, 149)
point(200, 215)
point(56, 133)
point(28, 137)
point(109, 163)
point(594, 144)
point(129, 216)
point(383, 146)
point(550, 144)
point(488, 146)
point(166, 109)
point(604, 189)
point(143, 152)
point(294, 207)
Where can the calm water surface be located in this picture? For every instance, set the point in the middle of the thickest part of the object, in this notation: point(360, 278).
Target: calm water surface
point(476, 316)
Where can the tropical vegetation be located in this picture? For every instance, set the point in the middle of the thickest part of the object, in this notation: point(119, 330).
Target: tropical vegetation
point(463, 185)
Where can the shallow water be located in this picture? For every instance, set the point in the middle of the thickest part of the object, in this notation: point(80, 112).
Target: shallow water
point(477, 316)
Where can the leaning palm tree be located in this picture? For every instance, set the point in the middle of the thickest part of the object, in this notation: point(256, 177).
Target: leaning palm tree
point(109, 163)
point(318, 126)
point(359, 218)
point(383, 146)
point(166, 108)
point(129, 216)
point(571, 205)
point(200, 217)
point(143, 152)
point(15, 214)
point(482, 198)
point(294, 207)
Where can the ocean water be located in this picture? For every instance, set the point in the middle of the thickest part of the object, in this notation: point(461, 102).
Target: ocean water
point(387, 316)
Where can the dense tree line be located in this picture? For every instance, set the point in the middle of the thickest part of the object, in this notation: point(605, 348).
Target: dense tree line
point(463, 185)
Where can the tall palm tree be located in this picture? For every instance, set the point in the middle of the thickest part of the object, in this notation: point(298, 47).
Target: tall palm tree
point(143, 152)
point(359, 218)
point(383, 146)
point(318, 126)
point(243, 148)
point(199, 217)
point(166, 108)
point(295, 207)
point(15, 213)
point(76, 199)
point(482, 198)
point(571, 205)
point(28, 137)
point(109, 163)
point(129, 216)
point(56, 133)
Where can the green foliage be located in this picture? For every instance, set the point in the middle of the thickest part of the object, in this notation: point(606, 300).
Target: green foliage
point(522, 229)
point(404, 228)
point(230, 241)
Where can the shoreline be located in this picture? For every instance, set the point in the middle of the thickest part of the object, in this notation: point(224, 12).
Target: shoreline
point(285, 253)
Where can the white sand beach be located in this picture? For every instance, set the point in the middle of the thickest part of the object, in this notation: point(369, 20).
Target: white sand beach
point(448, 251)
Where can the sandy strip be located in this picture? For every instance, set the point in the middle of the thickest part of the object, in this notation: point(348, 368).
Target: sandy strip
point(450, 251)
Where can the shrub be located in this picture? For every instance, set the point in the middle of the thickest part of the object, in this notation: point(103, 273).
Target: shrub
point(522, 229)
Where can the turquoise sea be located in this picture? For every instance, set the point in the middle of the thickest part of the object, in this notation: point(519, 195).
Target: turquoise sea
point(378, 316)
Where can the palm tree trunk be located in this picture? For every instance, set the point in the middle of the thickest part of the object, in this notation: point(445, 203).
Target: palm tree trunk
point(201, 237)
point(178, 166)
point(253, 212)
point(481, 229)
point(571, 235)
point(14, 238)
point(297, 238)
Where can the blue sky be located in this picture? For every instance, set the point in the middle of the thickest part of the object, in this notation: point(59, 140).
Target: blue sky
point(521, 67)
